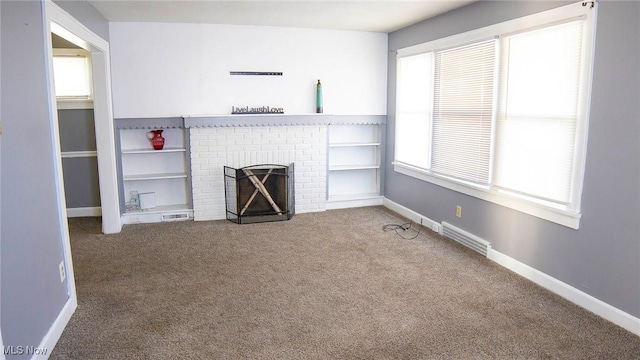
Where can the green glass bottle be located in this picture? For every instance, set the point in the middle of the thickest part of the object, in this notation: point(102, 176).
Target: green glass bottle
point(319, 98)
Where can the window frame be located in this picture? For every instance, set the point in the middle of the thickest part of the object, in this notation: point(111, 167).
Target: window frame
point(566, 215)
point(75, 102)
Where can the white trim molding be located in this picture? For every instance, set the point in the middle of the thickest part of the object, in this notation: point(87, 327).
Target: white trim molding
point(53, 335)
point(412, 215)
point(568, 292)
point(84, 212)
point(563, 210)
point(352, 203)
point(66, 25)
point(54, 16)
point(2, 357)
point(74, 104)
point(78, 154)
point(559, 216)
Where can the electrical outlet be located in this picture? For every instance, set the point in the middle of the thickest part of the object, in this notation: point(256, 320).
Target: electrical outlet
point(459, 211)
point(135, 198)
point(63, 274)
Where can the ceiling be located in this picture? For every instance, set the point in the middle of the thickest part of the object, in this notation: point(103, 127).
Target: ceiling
point(357, 15)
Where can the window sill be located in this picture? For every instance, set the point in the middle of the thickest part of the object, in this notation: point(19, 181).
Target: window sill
point(563, 217)
point(73, 104)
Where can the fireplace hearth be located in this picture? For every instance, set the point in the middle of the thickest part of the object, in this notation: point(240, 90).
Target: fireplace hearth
point(259, 193)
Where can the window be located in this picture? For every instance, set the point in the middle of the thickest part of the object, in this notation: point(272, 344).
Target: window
point(72, 77)
point(500, 113)
point(462, 106)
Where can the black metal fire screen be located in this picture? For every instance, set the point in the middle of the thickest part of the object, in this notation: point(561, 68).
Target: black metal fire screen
point(259, 193)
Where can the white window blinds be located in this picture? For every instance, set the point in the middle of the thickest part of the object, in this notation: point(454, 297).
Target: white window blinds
point(462, 111)
point(538, 111)
point(505, 119)
point(72, 76)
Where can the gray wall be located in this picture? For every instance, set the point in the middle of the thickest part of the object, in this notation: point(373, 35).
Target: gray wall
point(32, 294)
point(87, 14)
point(77, 133)
point(602, 258)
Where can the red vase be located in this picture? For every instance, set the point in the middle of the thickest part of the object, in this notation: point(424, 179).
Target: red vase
point(155, 136)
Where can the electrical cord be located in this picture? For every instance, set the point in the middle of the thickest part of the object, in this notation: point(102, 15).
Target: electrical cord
point(403, 227)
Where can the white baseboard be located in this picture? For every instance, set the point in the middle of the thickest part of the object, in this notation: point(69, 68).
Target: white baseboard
point(568, 292)
point(552, 284)
point(411, 215)
point(85, 211)
point(351, 203)
point(2, 357)
point(53, 335)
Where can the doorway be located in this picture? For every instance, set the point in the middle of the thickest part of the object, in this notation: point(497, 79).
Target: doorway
point(76, 126)
point(68, 28)
point(64, 25)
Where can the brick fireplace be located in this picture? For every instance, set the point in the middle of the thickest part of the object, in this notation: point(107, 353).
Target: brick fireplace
point(215, 146)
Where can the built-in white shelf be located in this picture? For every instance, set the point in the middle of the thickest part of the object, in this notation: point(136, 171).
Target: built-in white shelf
point(354, 165)
point(351, 197)
point(354, 144)
point(153, 151)
point(163, 172)
point(162, 213)
point(160, 176)
point(161, 209)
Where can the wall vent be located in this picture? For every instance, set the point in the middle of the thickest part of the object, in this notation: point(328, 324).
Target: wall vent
point(175, 217)
point(469, 240)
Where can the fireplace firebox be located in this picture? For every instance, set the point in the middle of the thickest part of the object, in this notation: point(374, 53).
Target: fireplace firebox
point(259, 193)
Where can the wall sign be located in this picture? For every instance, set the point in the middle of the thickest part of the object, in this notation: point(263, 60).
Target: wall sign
point(258, 73)
point(256, 110)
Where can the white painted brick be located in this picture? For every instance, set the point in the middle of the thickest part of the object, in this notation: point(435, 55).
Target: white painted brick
point(251, 147)
point(300, 147)
point(244, 142)
point(198, 161)
point(277, 141)
point(298, 144)
point(270, 135)
point(302, 158)
point(252, 135)
point(312, 141)
point(240, 130)
point(269, 147)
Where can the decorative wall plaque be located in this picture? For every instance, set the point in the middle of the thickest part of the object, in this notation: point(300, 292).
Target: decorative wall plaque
point(258, 73)
point(235, 110)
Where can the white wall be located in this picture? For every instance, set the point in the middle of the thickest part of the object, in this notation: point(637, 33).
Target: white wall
point(162, 69)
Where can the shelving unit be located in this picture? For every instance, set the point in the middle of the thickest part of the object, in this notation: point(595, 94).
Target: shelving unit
point(164, 172)
point(354, 165)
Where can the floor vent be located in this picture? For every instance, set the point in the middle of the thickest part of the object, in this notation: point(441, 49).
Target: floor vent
point(469, 240)
point(175, 217)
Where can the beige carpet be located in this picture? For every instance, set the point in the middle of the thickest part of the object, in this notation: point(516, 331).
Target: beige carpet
point(328, 285)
